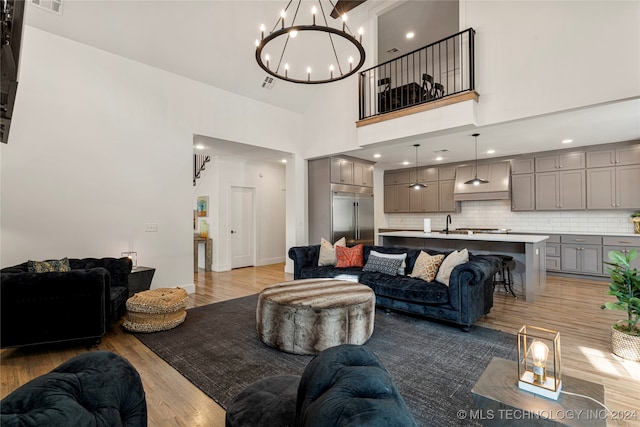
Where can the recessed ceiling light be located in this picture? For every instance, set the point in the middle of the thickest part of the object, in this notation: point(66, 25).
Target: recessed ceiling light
point(200, 147)
point(284, 160)
point(410, 35)
point(567, 141)
point(439, 158)
point(405, 163)
point(491, 151)
point(377, 155)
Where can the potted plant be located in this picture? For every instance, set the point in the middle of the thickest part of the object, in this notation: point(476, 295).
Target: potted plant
point(625, 286)
point(635, 218)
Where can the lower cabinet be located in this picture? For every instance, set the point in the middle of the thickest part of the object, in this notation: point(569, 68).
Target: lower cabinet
point(587, 254)
point(582, 259)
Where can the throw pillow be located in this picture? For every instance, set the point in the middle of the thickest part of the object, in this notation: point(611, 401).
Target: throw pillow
point(61, 265)
point(350, 257)
point(383, 265)
point(426, 266)
point(403, 257)
point(452, 260)
point(328, 251)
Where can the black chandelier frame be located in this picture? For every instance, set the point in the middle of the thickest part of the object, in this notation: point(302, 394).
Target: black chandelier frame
point(284, 31)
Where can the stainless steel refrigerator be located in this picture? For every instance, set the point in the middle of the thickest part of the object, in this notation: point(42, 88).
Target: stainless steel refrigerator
point(352, 214)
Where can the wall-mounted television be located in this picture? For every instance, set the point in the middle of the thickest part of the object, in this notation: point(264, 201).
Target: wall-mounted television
point(12, 20)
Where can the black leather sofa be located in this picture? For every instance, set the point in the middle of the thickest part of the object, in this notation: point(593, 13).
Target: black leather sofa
point(39, 308)
point(468, 297)
point(98, 388)
point(345, 385)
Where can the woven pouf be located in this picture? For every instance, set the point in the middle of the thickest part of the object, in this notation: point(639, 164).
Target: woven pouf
point(310, 315)
point(156, 310)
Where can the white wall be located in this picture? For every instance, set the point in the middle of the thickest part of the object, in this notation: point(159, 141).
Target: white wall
point(101, 145)
point(532, 58)
point(268, 180)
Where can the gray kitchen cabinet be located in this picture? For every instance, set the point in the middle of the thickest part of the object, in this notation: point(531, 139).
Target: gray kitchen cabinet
point(581, 254)
point(427, 174)
point(553, 255)
point(396, 198)
point(573, 160)
point(362, 174)
point(522, 166)
point(613, 187)
point(615, 157)
point(424, 199)
point(447, 173)
point(341, 171)
point(622, 244)
point(445, 197)
point(563, 190)
point(404, 176)
point(523, 192)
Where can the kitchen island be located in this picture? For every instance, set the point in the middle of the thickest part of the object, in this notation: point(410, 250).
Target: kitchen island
point(528, 252)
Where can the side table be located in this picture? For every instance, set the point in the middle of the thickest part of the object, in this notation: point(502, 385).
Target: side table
point(208, 252)
point(140, 279)
point(499, 401)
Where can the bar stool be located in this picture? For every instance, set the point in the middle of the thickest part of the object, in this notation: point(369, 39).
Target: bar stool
point(504, 274)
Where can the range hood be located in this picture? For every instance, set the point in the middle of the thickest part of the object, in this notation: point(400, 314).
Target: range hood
point(498, 188)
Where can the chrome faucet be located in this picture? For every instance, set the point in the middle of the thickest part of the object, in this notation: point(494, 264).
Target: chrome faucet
point(447, 222)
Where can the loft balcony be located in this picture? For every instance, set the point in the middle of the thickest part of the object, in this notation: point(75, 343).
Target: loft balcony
point(435, 75)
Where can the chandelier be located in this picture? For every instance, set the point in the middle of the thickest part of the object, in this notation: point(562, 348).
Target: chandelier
point(304, 48)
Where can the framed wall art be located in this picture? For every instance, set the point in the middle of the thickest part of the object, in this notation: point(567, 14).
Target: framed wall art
point(203, 206)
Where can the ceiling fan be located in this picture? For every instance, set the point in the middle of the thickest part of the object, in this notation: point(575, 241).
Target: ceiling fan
point(344, 6)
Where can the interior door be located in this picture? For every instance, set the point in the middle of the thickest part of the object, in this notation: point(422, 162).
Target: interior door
point(242, 237)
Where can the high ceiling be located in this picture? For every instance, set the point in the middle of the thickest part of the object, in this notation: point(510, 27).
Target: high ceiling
point(213, 42)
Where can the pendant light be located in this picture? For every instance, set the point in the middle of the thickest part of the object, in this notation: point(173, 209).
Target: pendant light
point(417, 185)
point(476, 180)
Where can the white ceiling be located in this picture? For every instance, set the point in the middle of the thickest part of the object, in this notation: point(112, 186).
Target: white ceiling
point(213, 42)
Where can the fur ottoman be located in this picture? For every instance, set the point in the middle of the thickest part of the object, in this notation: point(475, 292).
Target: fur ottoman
point(156, 310)
point(308, 316)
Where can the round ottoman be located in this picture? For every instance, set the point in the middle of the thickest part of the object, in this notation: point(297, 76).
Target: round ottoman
point(156, 310)
point(310, 315)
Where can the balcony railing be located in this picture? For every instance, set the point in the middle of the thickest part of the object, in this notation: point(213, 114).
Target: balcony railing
point(436, 71)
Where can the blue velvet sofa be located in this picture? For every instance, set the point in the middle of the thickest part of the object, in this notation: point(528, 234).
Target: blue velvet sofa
point(80, 304)
point(468, 297)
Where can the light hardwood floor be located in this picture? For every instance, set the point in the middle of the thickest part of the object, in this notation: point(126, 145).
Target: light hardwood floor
point(568, 305)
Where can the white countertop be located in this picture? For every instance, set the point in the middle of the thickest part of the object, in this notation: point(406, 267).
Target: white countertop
point(486, 237)
point(578, 233)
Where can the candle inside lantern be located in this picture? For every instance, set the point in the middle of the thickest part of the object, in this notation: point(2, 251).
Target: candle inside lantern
point(539, 352)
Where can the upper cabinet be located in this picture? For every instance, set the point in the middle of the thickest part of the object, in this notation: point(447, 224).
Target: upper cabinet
point(616, 157)
point(574, 160)
point(437, 196)
point(351, 172)
point(613, 177)
point(521, 166)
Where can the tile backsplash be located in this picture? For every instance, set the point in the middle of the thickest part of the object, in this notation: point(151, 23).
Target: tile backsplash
point(497, 214)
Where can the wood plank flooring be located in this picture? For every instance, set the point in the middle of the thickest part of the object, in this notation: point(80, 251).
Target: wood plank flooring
point(568, 305)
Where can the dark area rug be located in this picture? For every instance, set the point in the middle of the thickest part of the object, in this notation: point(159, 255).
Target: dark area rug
point(434, 366)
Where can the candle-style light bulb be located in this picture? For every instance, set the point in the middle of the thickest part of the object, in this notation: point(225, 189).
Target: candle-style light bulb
point(257, 42)
point(350, 63)
point(539, 352)
point(308, 73)
point(344, 21)
point(262, 29)
point(313, 14)
point(267, 58)
point(286, 70)
point(361, 32)
point(331, 70)
point(283, 15)
point(293, 34)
